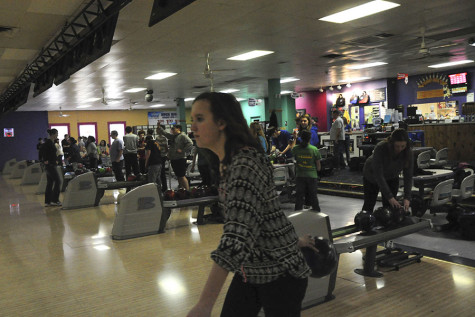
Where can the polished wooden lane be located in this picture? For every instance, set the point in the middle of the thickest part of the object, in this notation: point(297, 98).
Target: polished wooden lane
point(57, 262)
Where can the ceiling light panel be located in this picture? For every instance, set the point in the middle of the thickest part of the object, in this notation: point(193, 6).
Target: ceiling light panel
point(250, 55)
point(360, 11)
point(367, 65)
point(135, 89)
point(288, 80)
point(467, 61)
point(160, 76)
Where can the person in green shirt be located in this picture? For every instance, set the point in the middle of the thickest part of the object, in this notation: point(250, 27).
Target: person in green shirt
point(307, 164)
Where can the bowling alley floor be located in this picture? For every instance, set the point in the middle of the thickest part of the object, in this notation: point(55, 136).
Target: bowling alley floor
point(56, 262)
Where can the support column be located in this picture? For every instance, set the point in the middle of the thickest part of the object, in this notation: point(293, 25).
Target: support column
point(180, 103)
point(274, 99)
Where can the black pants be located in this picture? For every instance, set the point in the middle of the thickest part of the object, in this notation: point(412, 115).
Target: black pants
point(347, 148)
point(131, 164)
point(92, 162)
point(371, 191)
point(163, 175)
point(338, 149)
point(142, 166)
point(306, 191)
point(117, 169)
point(282, 297)
point(52, 184)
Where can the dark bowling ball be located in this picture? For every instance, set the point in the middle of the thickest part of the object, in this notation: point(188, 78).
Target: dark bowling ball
point(324, 261)
point(181, 194)
point(193, 192)
point(383, 216)
point(280, 160)
point(214, 191)
point(364, 220)
point(200, 192)
point(399, 214)
point(169, 194)
point(131, 178)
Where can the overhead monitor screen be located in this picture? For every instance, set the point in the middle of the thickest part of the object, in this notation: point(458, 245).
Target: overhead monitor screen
point(456, 79)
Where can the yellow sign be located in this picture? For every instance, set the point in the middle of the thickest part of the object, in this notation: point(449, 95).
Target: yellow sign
point(425, 94)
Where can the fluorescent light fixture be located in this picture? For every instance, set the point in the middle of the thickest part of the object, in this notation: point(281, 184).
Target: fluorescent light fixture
point(241, 99)
point(158, 105)
point(159, 76)
point(367, 65)
point(92, 99)
point(250, 55)
point(360, 11)
point(286, 92)
point(288, 80)
point(353, 80)
point(82, 107)
point(228, 91)
point(466, 61)
point(135, 89)
point(189, 99)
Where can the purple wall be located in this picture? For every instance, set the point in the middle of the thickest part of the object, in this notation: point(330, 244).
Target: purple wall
point(407, 94)
point(29, 126)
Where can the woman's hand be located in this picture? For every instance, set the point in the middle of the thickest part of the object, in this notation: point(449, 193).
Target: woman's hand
point(307, 241)
point(407, 203)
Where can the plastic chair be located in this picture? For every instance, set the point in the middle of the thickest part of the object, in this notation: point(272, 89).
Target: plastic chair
point(466, 189)
point(441, 195)
point(441, 158)
point(423, 160)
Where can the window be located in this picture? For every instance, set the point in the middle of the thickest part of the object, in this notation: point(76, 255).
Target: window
point(87, 128)
point(63, 128)
point(117, 126)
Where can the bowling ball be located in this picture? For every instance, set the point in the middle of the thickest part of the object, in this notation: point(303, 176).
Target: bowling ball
point(214, 191)
point(131, 178)
point(108, 169)
point(384, 216)
point(102, 170)
point(181, 194)
point(78, 172)
point(280, 160)
point(169, 194)
point(399, 214)
point(364, 220)
point(324, 261)
point(80, 165)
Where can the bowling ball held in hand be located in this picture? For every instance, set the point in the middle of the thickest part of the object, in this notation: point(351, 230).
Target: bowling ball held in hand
point(323, 262)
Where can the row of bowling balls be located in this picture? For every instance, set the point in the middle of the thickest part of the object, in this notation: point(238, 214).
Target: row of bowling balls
point(98, 171)
point(382, 216)
point(194, 192)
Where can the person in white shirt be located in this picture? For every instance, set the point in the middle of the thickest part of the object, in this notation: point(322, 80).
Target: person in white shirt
point(337, 135)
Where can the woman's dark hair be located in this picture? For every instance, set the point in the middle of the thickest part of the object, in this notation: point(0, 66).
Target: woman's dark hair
point(149, 131)
point(148, 137)
point(400, 135)
point(103, 143)
point(72, 140)
point(91, 139)
point(52, 131)
point(141, 132)
point(225, 107)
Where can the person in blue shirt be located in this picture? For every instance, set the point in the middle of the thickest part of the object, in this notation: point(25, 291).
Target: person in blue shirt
point(282, 140)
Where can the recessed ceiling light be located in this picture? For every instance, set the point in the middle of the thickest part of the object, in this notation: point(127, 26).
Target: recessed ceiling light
point(228, 91)
point(189, 99)
point(367, 65)
point(288, 80)
point(159, 76)
point(135, 89)
point(286, 92)
point(250, 55)
point(82, 107)
point(466, 61)
point(360, 11)
point(158, 105)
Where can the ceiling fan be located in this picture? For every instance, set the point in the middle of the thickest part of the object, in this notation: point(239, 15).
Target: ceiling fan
point(425, 51)
point(208, 73)
point(105, 100)
point(61, 114)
